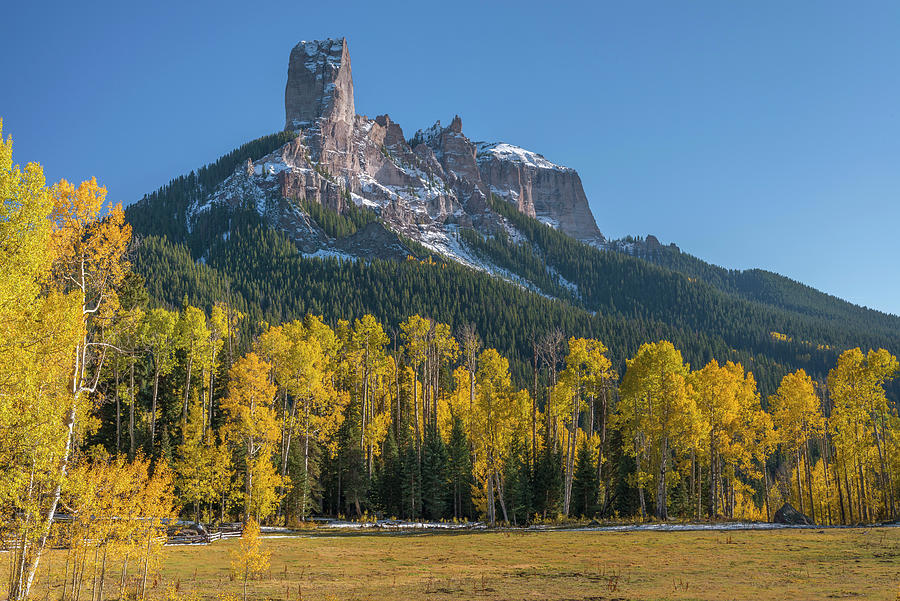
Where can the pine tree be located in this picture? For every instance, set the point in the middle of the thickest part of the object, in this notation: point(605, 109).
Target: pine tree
point(388, 478)
point(518, 479)
point(460, 466)
point(548, 482)
point(411, 479)
point(435, 476)
point(585, 487)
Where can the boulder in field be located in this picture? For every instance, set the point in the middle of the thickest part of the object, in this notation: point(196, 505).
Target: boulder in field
point(788, 515)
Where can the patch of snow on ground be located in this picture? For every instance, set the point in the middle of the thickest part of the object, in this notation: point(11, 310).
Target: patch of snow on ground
point(400, 526)
point(511, 195)
point(328, 253)
point(548, 221)
point(427, 135)
point(404, 525)
point(564, 282)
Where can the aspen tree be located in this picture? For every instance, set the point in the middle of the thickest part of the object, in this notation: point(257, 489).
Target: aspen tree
point(586, 377)
point(318, 407)
point(87, 245)
point(158, 336)
point(195, 463)
point(249, 561)
point(861, 419)
point(39, 331)
point(251, 422)
point(414, 332)
point(191, 335)
point(498, 414)
point(797, 416)
point(219, 331)
point(729, 405)
point(656, 409)
point(368, 343)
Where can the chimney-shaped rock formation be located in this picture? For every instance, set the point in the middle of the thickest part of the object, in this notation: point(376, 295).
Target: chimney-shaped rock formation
point(425, 188)
point(319, 84)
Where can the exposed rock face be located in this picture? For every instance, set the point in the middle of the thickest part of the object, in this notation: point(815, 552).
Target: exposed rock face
point(423, 188)
point(539, 188)
point(319, 84)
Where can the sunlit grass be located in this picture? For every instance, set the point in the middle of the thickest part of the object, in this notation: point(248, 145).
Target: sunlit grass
point(795, 564)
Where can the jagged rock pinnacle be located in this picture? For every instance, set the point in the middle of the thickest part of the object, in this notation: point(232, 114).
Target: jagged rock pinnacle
point(319, 84)
point(425, 187)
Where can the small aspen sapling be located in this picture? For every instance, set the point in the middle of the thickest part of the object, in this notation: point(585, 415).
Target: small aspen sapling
point(248, 561)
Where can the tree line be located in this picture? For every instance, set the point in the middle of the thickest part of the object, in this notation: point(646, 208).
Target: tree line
point(118, 411)
point(420, 420)
point(705, 310)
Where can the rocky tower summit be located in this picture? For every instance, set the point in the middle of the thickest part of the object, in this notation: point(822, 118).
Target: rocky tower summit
point(424, 187)
point(319, 84)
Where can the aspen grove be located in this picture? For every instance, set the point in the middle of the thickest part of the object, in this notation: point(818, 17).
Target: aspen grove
point(121, 414)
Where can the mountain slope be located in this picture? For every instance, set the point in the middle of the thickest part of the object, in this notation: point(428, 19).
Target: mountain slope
point(341, 215)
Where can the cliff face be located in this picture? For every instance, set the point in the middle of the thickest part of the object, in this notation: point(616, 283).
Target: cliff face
point(319, 84)
point(424, 187)
point(549, 192)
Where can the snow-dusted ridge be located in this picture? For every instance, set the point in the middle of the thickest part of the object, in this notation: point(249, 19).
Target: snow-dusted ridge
point(425, 188)
point(516, 154)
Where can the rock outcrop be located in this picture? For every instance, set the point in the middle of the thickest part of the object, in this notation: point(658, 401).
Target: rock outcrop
point(319, 84)
point(786, 514)
point(424, 187)
point(549, 192)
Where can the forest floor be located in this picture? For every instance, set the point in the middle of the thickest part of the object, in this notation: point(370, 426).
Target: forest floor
point(845, 563)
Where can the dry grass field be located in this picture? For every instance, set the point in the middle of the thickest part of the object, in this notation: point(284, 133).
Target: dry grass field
point(561, 565)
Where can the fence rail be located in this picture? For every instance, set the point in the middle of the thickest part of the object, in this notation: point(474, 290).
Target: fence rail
point(188, 535)
point(198, 537)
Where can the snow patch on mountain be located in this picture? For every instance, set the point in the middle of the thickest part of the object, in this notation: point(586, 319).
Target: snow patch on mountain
point(515, 154)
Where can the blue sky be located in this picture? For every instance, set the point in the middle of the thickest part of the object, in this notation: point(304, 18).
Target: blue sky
point(756, 134)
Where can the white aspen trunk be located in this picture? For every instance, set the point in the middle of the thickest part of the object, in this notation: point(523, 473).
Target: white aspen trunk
point(713, 480)
point(121, 580)
point(305, 466)
point(809, 482)
point(118, 414)
point(886, 501)
point(571, 444)
point(500, 495)
point(637, 458)
point(146, 567)
point(591, 418)
point(364, 413)
point(248, 483)
point(662, 510)
point(187, 388)
point(416, 413)
point(602, 446)
point(209, 395)
point(202, 399)
point(863, 496)
point(699, 490)
point(23, 592)
point(132, 399)
point(490, 492)
point(153, 407)
point(887, 472)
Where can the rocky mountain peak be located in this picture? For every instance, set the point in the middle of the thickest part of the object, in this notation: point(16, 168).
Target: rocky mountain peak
point(319, 84)
point(425, 188)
